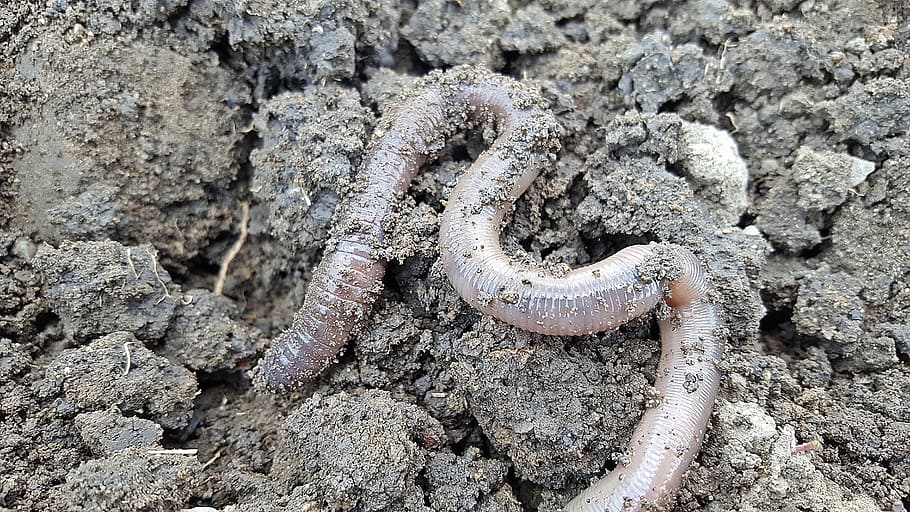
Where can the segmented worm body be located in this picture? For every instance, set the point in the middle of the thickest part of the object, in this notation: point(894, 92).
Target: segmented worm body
point(586, 300)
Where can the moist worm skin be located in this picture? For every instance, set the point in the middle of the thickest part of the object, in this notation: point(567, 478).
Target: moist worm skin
point(590, 299)
point(349, 277)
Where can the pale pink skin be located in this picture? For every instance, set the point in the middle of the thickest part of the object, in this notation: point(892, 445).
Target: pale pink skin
point(590, 299)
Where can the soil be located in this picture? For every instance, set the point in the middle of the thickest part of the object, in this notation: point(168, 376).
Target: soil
point(768, 136)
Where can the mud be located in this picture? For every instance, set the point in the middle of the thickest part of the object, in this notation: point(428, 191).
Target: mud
point(130, 133)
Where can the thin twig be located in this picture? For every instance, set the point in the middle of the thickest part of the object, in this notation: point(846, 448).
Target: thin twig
point(167, 293)
point(126, 348)
point(234, 250)
point(129, 260)
point(177, 451)
point(213, 459)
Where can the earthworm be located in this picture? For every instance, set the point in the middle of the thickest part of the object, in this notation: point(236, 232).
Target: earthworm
point(586, 300)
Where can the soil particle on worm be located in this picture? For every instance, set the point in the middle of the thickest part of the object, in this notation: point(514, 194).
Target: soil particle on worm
point(130, 130)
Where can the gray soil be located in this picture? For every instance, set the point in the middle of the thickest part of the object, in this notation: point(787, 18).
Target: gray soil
point(768, 136)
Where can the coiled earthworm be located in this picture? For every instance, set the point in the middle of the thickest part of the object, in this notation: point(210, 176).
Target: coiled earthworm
point(586, 300)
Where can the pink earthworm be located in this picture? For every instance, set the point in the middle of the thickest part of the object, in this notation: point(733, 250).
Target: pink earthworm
point(590, 299)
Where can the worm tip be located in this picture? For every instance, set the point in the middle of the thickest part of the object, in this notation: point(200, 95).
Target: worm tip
point(271, 375)
point(267, 378)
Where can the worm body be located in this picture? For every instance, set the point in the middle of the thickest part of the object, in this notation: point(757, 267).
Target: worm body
point(590, 299)
point(668, 436)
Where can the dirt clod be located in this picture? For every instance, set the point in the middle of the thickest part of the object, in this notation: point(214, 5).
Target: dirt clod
point(106, 432)
point(358, 452)
point(206, 334)
point(129, 480)
point(117, 370)
point(100, 287)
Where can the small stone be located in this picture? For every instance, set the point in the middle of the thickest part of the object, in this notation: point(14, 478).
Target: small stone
point(856, 46)
point(508, 296)
point(24, 248)
point(719, 174)
point(106, 432)
point(824, 178)
point(751, 230)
